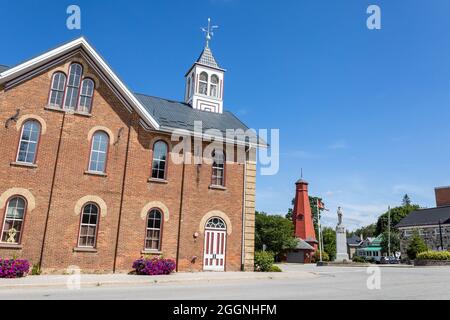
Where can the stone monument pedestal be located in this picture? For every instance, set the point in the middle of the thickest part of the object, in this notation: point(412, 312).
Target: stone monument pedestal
point(341, 245)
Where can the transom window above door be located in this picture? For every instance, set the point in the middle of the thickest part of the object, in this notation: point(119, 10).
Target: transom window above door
point(73, 92)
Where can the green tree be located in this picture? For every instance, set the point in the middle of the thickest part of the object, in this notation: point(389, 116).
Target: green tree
point(397, 214)
point(329, 242)
point(395, 242)
point(416, 246)
point(367, 231)
point(275, 232)
point(406, 201)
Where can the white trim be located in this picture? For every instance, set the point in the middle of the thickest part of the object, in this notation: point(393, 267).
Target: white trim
point(80, 43)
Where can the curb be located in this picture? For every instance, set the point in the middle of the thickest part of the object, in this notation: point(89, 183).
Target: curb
point(150, 281)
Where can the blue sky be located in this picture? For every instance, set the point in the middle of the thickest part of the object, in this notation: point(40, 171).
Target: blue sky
point(364, 113)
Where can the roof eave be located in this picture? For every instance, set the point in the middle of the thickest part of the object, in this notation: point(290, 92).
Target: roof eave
point(81, 42)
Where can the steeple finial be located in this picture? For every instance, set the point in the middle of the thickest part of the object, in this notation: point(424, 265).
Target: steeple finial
point(209, 31)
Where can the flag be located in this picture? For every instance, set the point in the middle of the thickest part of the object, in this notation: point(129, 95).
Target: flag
point(320, 204)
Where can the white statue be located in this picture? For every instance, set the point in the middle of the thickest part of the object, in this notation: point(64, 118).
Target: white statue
point(340, 215)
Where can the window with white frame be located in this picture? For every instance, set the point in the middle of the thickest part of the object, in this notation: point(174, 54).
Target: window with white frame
point(218, 168)
point(86, 94)
point(99, 152)
point(88, 226)
point(29, 140)
point(214, 86)
point(203, 83)
point(73, 86)
point(57, 89)
point(13, 221)
point(153, 231)
point(159, 164)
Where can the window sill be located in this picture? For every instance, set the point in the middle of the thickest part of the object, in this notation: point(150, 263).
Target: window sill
point(11, 246)
point(84, 114)
point(221, 188)
point(93, 173)
point(160, 181)
point(88, 250)
point(24, 165)
point(152, 252)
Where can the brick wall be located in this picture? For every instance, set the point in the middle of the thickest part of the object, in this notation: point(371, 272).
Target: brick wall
point(59, 181)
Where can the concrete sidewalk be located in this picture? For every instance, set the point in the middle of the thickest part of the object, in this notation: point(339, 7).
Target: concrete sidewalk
point(86, 280)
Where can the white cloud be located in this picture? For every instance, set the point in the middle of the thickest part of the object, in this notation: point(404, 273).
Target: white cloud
point(339, 145)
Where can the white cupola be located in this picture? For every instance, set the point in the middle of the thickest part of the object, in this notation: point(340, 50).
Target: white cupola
point(204, 80)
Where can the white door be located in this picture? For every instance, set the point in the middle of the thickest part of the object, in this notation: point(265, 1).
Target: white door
point(215, 248)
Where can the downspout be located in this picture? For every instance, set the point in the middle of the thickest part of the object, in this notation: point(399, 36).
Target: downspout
point(180, 216)
point(122, 195)
point(41, 257)
point(244, 199)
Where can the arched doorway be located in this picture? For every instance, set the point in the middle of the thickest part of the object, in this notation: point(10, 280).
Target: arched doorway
point(215, 245)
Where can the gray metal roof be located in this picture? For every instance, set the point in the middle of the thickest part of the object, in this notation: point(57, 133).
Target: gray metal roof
point(303, 245)
point(354, 241)
point(426, 217)
point(206, 58)
point(179, 115)
point(3, 68)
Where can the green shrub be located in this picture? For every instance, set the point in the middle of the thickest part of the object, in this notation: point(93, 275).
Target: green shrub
point(358, 259)
point(275, 269)
point(316, 257)
point(36, 271)
point(264, 261)
point(434, 255)
point(416, 246)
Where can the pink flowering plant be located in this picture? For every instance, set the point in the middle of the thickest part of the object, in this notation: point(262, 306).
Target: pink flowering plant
point(154, 266)
point(14, 268)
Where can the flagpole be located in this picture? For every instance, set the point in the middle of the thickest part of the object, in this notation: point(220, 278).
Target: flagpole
point(320, 230)
point(389, 231)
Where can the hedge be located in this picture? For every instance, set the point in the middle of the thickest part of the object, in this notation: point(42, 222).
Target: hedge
point(434, 255)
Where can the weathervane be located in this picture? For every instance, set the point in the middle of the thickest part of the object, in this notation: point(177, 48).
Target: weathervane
point(209, 31)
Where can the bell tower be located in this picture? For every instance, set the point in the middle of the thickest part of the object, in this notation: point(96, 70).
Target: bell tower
point(302, 215)
point(204, 80)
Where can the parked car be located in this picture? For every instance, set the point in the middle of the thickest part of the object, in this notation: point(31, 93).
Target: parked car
point(389, 260)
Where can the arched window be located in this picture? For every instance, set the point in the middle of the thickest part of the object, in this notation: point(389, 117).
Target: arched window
point(14, 219)
point(29, 140)
point(99, 152)
point(159, 165)
point(216, 223)
point(192, 85)
point(153, 230)
point(189, 87)
point(73, 86)
point(57, 90)
point(214, 86)
point(87, 91)
point(203, 85)
point(218, 168)
point(88, 226)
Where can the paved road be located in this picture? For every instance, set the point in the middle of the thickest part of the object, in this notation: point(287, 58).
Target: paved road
point(329, 283)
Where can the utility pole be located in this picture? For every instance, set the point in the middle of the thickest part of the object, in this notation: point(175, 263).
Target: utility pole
point(389, 231)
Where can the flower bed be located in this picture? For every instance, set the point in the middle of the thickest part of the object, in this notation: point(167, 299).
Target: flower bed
point(14, 268)
point(154, 266)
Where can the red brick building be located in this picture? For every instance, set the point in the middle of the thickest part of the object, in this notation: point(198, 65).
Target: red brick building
point(88, 177)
